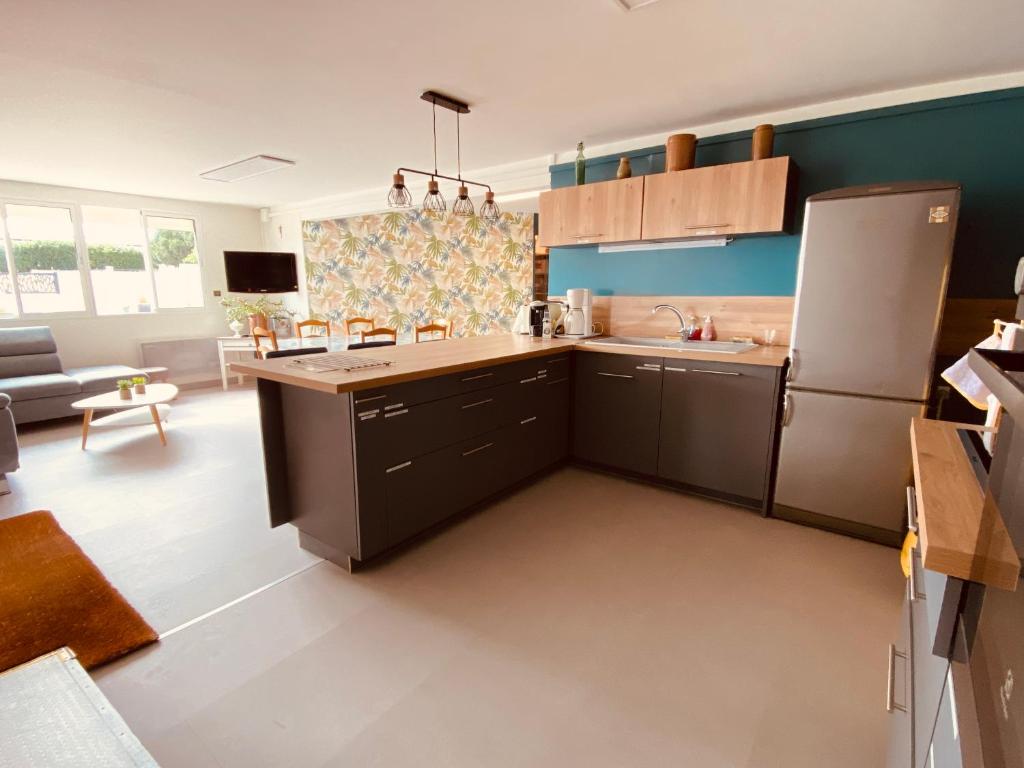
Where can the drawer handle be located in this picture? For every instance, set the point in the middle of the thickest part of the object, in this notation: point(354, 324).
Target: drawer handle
point(393, 406)
point(478, 402)
point(527, 421)
point(890, 688)
point(615, 375)
point(478, 376)
point(557, 360)
point(471, 451)
point(369, 399)
point(592, 234)
point(911, 509)
point(527, 381)
point(912, 580)
point(677, 370)
point(366, 414)
point(648, 368)
point(396, 413)
point(706, 226)
point(397, 467)
point(558, 381)
point(717, 373)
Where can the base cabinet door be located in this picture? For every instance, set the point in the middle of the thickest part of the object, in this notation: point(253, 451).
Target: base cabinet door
point(616, 411)
point(417, 496)
point(717, 423)
point(899, 694)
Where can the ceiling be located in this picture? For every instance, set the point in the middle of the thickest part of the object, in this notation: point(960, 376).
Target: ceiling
point(139, 96)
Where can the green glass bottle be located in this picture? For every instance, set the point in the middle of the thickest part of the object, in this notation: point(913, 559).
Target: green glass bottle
point(581, 165)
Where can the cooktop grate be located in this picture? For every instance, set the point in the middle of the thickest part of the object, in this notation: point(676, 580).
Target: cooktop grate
point(337, 362)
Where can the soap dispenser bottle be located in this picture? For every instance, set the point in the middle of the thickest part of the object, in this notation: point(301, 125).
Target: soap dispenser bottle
point(708, 333)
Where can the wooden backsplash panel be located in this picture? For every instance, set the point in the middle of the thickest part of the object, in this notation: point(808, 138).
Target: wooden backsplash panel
point(733, 315)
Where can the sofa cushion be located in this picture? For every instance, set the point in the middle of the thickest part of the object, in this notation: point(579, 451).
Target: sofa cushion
point(41, 385)
point(28, 365)
point(101, 378)
point(34, 340)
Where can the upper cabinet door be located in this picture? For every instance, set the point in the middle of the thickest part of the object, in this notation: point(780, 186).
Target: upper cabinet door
point(729, 199)
point(603, 212)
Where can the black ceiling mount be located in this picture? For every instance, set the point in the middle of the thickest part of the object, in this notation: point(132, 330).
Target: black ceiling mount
point(445, 101)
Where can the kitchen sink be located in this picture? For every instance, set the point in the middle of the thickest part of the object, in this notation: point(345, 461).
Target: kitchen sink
point(723, 347)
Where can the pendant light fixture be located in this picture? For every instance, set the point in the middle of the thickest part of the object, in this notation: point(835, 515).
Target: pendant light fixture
point(434, 201)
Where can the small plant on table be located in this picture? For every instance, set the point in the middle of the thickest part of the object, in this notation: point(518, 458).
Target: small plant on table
point(124, 387)
point(140, 384)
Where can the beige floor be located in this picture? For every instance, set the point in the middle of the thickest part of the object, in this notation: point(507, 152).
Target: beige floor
point(584, 621)
point(181, 529)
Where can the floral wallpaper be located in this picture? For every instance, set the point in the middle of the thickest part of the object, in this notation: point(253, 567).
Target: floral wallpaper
point(408, 268)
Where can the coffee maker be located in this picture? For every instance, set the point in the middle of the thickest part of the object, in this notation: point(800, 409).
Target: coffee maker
point(579, 318)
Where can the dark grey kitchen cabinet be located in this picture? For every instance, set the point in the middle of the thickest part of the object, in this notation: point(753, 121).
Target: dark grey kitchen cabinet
point(617, 406)
point(899, 694)
point(718, 426)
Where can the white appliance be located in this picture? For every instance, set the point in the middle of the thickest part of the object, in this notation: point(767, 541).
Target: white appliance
point(874, 263)
point(579, 316)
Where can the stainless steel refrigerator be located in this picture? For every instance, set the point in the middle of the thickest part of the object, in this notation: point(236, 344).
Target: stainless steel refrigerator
point(874, 264)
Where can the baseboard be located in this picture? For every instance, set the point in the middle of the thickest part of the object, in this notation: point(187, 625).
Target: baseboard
point(836, 525)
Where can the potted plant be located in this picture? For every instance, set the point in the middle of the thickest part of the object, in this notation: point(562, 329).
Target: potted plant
point(140, 384)
point(124, 388)
point(257, 312)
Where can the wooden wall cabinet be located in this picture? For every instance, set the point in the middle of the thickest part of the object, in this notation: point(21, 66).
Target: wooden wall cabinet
point(603, 212)
point(731, 199)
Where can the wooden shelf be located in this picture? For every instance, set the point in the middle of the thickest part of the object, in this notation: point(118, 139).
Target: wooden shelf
point(961, 531)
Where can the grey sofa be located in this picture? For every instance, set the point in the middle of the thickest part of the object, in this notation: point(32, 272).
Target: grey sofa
point(8, 443)
point(31, 374)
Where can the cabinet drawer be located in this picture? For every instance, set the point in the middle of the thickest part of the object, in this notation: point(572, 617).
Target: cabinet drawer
point(899, 695)
point(398, 431)
point(434, 388)
point(929, 670)
point(617, 407)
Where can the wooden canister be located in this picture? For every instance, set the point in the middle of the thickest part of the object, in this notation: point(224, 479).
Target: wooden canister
point(761, 146)
point(680, 151)
point(625, 170)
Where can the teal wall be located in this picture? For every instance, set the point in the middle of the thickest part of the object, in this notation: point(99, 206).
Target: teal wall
point(974, 139)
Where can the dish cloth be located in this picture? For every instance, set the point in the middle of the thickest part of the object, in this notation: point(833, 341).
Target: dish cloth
point(966, 382)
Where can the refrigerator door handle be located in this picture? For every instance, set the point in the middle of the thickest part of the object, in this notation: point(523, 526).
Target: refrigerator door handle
point(791, 371)
point(787, 409)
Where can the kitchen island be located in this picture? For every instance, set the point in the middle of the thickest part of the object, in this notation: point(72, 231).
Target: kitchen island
point(363, 461)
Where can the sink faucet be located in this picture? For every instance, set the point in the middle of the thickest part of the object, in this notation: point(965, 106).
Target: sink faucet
point(682, 323)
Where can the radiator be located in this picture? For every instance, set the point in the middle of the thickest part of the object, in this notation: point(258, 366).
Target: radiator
point(186, 360)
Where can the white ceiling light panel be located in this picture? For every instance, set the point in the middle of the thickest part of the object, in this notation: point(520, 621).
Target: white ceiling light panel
point(246, 169)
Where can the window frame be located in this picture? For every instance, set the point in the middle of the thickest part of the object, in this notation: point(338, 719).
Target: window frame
point(82, 259)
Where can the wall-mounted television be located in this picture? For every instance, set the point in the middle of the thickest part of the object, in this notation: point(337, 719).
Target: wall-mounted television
point(260, 272)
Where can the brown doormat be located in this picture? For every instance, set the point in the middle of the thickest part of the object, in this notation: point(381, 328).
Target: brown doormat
point(52, 595)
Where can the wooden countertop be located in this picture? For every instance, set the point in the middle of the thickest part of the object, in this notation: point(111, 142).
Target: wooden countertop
point(960, 529)
point(419, 361)
point(408, 362)
point(773, 356)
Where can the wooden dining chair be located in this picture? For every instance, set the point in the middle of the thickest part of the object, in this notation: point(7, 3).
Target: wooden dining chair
point(451, 329)
point(357, 321)
point(258, 334)
point(431, 332)
point(364, 335)
point(314, 324)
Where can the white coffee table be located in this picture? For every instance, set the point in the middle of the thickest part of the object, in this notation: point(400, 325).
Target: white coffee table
point(156, 394)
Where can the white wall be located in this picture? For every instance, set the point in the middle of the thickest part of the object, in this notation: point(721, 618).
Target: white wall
point(115, 339)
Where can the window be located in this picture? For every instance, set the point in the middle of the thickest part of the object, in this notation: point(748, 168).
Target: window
point(42, 240)
point(117, 264)
point(172, 250)
point(8, 304)
point(113, 261)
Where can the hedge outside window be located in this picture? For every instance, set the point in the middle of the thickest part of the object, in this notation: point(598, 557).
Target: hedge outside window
point(42, 238)
point(114, 239)
point(137, 262)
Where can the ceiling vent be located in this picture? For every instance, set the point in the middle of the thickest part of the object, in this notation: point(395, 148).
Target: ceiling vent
point(633, 5)
point(246, 169)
